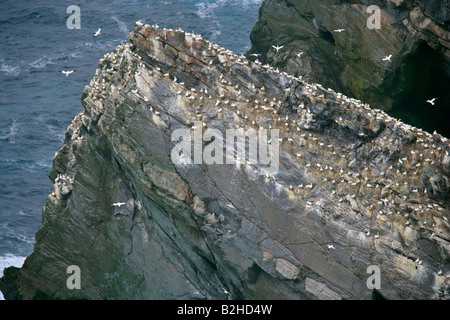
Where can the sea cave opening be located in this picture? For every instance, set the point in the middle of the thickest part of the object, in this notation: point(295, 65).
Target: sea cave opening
point(426, 75)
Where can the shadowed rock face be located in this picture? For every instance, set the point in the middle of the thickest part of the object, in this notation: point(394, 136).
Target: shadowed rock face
point(349, 176)
point(415, 33)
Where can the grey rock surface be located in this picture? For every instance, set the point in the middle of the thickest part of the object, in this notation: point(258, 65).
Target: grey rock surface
point(349, 176)
point(329, 42)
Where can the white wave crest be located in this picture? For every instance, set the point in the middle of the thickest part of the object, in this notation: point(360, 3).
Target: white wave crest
point(206, 9)
point(10, 133)
point(42, 62)
point(9, 70)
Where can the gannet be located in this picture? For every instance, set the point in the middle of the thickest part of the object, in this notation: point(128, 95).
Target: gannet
point(277, 47)
point(299, 53)
point(255, 54)
point(387, 58)
point(338, 30)
point(118, 204)
point(98, 32)
point(67, 72)
point(330, 246)
point(431, 101)
point(226, 292)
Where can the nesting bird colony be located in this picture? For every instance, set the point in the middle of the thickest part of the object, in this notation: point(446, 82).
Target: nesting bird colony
point(359, 157)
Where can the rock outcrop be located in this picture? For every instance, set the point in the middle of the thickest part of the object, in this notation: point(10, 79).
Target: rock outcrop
point(343, 49)
point(354, 188)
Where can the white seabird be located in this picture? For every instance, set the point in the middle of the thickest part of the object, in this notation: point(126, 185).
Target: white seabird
point(277, 47)
point(98, 32)
point(118, 204)
point(431, 101)
point(255, 54)
point(339, 30)
point(225, 291)
point(387, 58)
point(330, 246)
point(67, 72)
point(299, 53)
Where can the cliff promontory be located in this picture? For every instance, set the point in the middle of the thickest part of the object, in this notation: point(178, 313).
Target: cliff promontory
point(351, 188)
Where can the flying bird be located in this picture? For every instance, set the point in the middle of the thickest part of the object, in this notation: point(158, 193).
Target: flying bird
point(387, 58)
point(225, 291)
point(67, 72)
point(299, 54)
point(431, 101)
point(255, 54)
point(118, 204)
point(338, 30)
point(277, 47)
point(98, 32)
point(330, 246)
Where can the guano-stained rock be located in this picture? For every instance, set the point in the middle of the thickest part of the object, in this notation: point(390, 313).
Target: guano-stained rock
point(349, 176)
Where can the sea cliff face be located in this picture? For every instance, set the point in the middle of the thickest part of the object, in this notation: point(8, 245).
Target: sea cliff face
point(354, 188)
point(344, 48)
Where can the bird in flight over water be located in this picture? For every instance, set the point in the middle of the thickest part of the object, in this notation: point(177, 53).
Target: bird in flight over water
point(67, 72)
point(98, 32)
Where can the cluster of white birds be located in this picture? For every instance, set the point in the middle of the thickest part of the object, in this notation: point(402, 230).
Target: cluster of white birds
point(63, 178)
point(264, 113)
point(63, 185)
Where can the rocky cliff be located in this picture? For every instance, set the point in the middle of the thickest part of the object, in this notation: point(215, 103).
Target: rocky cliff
point(355, 187)
point(344, 48)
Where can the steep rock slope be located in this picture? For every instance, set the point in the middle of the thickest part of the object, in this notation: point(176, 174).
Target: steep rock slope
point(349, 176)
point(415, 33)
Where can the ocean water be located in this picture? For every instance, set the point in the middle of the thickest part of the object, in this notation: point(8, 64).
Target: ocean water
point(37, 102)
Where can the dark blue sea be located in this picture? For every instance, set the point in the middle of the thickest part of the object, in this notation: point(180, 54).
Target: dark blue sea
point(37, 102)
